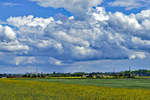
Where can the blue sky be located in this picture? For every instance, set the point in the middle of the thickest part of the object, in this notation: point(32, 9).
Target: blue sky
point(65, 36)
point(25, 7)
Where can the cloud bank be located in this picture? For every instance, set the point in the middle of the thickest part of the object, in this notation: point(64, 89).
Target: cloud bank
point(35, 41)
point(103, 35)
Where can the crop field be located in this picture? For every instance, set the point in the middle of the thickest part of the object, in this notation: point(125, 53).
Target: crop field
point(115, 83)
point(74, 89)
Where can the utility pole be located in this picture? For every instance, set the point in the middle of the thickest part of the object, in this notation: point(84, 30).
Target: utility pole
point(114, 71)
point(129, 71)
point(36, 70)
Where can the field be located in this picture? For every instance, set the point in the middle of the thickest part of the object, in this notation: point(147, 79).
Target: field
point(74, 89)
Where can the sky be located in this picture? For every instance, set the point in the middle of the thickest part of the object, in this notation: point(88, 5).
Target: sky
point(74, 35)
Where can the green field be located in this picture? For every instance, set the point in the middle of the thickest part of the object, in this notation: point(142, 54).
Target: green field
point(116, 83)
point(74, 89)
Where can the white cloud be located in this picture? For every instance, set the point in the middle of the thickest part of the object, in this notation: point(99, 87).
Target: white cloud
point(78, 7)
point(29, 21)
point(13, 47)
point(146, 24)
point(54, 61)
point(25, 60)
point(62, 36)
point(9, 40)
point(10, 4)
point(145, 14)
point(99, 14)
point(6, 33)
point(130, 4)
point(125, 23)
point(139, 41)
point(71, 18)
point(138, 55)
point(101, 35)
point(37, 41)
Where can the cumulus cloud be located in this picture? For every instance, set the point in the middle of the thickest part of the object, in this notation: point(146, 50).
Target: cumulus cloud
point(29, 21)
point(9, 41)
point(78, 7)
point(7, 33)
point(126, 22)
point(103, 35)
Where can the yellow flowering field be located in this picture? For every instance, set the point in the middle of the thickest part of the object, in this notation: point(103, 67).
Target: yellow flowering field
point(36, 90)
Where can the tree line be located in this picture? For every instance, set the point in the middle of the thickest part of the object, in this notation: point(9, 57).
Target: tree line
point(122, 74)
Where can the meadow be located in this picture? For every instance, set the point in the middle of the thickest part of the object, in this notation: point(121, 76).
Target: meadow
point(74, 89)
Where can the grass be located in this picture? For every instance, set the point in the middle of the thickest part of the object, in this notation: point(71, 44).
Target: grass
point(65, 89)
point(116, 83)
point(142, 77)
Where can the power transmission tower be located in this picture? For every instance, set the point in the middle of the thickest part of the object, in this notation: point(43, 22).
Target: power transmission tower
point(129, 71)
